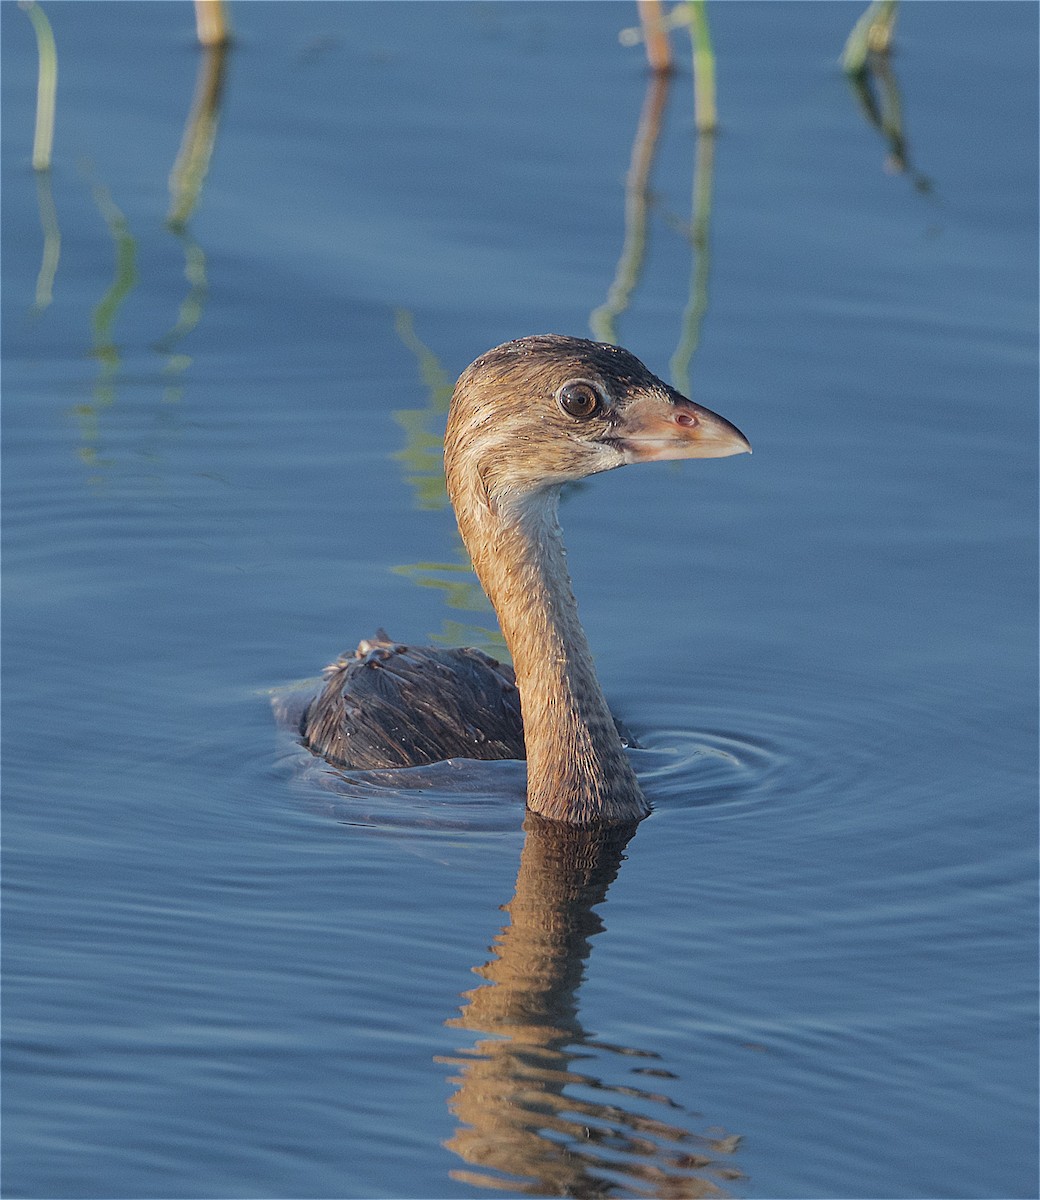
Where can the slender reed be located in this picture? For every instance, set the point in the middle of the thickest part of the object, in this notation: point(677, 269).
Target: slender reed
point(655, 36)
point(46, 85)
point(200, 133)
point(872, 34)
point(211, 23)
point(704, 107)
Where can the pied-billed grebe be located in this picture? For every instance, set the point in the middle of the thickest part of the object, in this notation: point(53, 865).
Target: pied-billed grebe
point(526, 418)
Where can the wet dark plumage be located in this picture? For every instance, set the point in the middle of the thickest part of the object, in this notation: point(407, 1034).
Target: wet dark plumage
point(389, 705)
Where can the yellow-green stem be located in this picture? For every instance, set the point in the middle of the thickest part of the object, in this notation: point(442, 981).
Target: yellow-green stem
point(46, 85)
point(705, 111)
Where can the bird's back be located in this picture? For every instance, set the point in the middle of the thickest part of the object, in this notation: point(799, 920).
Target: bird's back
point(390, 705)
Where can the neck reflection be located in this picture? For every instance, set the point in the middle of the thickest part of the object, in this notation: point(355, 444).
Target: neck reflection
point(531, 1121)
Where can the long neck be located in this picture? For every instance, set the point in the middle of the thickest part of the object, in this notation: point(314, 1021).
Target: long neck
point(577, 770)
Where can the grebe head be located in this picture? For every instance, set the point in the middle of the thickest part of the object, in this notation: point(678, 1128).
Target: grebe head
point(544, 410)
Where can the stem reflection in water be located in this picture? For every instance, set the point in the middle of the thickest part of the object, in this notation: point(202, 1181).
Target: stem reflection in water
point(531, 1122)
point(700, 269)
point(423, 459)
point(603, 320)
point(51, 243)
point(103, 318)
point(869, 71)
point(186, 179)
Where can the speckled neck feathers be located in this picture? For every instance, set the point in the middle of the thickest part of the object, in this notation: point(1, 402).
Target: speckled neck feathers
point(577, 768)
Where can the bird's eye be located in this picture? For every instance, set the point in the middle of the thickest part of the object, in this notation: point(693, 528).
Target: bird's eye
point(578, 399)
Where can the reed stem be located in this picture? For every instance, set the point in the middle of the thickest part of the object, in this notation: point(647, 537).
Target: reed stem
point(872, 34)
point(655, 35)
point(704, 107)
point(46, 85)
point(211, 23)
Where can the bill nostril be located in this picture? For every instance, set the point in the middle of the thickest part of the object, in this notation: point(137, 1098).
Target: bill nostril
point(685, 418)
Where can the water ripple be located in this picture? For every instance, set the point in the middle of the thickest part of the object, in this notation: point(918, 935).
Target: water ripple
point(806, 739)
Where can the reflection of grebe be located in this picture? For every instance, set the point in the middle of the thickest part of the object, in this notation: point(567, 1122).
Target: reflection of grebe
point(544, 1108)
point(525, 418)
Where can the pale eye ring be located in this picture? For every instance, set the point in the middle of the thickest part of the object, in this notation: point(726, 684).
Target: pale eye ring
point(578, 398)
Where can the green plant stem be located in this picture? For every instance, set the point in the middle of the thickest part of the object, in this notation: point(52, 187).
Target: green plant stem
point(46, 85)
point(871, 33)
point(704, 107)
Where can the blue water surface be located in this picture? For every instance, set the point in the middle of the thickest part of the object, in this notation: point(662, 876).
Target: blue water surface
point(230, 971)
